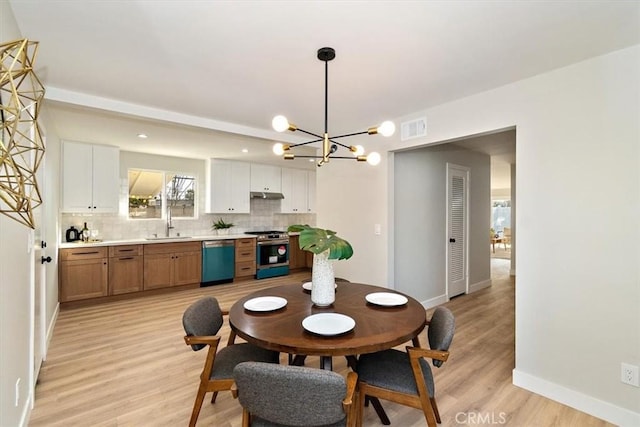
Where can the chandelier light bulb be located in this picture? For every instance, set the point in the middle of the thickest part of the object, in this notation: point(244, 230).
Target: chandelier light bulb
point(387, 128)
point(280, 123)
point(278, 148)
point(359, 150)
point(373, 158)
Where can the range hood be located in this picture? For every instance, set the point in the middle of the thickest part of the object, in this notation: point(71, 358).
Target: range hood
point(264, 195)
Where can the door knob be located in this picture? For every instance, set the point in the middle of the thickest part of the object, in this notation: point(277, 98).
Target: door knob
point(43, 259)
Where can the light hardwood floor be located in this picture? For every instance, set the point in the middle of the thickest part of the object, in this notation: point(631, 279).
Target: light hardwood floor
point(125, 364)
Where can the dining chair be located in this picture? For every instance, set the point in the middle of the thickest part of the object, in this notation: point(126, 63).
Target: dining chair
point(283, 395)
point(506, 237)
point(201, 321)
point(405, 377)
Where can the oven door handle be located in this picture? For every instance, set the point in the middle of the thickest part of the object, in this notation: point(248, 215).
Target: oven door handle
point(274, 242)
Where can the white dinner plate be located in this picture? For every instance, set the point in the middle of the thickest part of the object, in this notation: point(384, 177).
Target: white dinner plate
point(307, 286)
point(386, 299)
point(265, 303)
point(328, 324)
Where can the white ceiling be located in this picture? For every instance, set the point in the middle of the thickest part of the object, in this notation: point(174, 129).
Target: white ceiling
point(188, 72)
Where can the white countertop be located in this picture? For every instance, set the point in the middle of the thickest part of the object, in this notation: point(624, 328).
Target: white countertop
point(152, 240)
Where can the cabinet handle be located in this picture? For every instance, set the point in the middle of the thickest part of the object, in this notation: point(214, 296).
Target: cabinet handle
point(84, 253)
point(126, 250)
point(125, 258)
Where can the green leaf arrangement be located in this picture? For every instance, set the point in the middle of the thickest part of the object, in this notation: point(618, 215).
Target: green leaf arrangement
point(318, 240)
point(220, 224)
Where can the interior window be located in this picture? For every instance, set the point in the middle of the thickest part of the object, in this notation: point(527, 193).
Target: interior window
point(151, 191)
point(500, 215)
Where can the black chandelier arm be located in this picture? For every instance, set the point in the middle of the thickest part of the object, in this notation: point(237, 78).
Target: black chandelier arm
point(329, 156)
point(350, 134)
point(348, 147)
point(305, 143)
point(310, 133)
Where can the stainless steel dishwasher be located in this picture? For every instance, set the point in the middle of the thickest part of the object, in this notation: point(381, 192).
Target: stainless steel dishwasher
point(218, 261)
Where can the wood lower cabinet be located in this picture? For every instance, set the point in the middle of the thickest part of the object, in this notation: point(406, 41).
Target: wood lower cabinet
point(172, 264)
point(125, 269)
point(245, 258)
point(83, 273)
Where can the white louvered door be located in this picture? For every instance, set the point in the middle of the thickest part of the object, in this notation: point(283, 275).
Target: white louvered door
point(457, 220)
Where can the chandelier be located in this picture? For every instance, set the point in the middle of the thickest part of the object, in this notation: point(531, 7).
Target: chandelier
point(329, 143)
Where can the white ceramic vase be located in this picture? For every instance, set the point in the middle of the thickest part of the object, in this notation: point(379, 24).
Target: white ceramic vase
point(323, 292)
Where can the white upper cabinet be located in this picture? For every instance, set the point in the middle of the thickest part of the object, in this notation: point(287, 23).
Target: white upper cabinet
point(294, 189)
point(299, 190)
point(228, 186)
point(90, 178)
point(265, 178)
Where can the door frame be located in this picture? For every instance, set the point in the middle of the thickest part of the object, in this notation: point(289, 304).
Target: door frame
point(465, 171)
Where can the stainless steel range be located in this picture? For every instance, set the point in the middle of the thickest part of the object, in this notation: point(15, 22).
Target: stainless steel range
point(272, 253)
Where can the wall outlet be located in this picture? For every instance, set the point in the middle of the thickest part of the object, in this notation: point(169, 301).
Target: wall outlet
point(629, 374)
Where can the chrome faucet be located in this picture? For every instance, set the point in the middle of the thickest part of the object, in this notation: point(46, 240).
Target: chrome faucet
point(169, 224)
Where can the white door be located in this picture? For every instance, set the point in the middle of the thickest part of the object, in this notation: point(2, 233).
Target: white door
point(457, 220)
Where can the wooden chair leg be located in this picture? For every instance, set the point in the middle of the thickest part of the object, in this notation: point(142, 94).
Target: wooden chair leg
point(360, 414)
point(196, 406)
point(435, 409)
point(213, 398)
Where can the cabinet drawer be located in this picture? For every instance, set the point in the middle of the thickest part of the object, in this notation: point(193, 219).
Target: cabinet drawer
point(246, 268)
point(125, 250)
point(245, 244)
point(245, 254)
point(83, 253)
point(166, 248)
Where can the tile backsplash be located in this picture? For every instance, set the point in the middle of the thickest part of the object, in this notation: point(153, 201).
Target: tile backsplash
point(265, 215)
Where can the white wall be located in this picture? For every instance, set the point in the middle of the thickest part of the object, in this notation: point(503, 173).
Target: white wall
point(578, 289)
point(351, 200)
point(420, 223)
point(15, 293)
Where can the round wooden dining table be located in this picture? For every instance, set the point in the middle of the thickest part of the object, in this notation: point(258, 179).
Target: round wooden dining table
point(377, 327)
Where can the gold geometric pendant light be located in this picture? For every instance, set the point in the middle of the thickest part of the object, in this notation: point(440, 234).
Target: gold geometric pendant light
point(21, 144)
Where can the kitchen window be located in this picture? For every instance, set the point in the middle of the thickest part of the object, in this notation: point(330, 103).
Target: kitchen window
point(151, 191)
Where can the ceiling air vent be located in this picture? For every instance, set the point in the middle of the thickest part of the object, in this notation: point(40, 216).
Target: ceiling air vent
point(413, 129)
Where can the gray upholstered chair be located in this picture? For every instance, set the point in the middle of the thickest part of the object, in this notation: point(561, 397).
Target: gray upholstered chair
point(202, 320)
point(282, 395)
point(405, 377)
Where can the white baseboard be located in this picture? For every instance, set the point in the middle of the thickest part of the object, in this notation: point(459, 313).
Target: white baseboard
point(50, 327)
point(480, 285)
point(441, 299)
point(582, 402)
point(433, 302)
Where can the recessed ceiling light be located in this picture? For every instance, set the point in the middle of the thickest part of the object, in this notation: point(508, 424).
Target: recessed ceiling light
point(244, 150)
point(142, 136)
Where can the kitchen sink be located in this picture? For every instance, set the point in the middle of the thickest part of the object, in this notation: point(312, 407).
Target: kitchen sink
point(168, 238)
